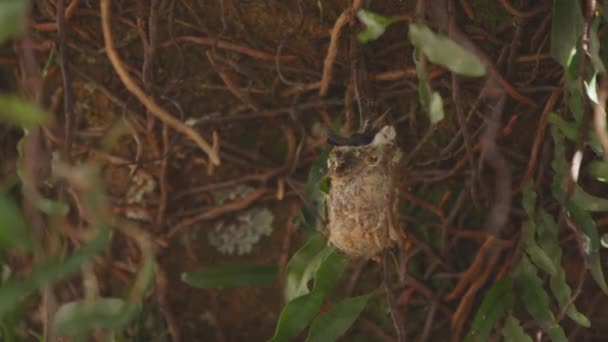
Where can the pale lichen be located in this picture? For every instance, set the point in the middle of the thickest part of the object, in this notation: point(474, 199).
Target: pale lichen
point(238, 235)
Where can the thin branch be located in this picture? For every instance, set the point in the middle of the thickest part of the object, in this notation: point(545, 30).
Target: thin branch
point(148, 102)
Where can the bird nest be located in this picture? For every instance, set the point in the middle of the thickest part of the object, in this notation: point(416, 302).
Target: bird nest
point(362, 201)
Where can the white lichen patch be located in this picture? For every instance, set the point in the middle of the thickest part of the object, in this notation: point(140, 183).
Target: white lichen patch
point(238, 235)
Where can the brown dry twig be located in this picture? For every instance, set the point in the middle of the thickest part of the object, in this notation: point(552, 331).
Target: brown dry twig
point(332, 50)
point(221, 44)
point(218, 211)
point(148, 102)
point(599, 116)
point(538, 138)
point(232, 87)
point(514, 11)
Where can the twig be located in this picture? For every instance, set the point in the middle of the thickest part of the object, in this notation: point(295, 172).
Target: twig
point(232, 87)
point(164, 306)
point(218, 211)
point(514, 11)
point(68, 101)
point(332, 50)
point(390, 298)
point(540, 134)
point(148, 102)
point(221, 44)
point(599, 115)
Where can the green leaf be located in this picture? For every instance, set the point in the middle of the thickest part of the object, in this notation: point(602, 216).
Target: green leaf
point(441, 50)
point(591, 89)
point(20, 112)
point(535, 299)
point(548, 239)
point(330, 272)
point(303, 266)
point(51, 271)
point(296, 315)
point(537, 254)
point(594, 46)
point(12, 15)
point(79, 317)
point(375, 25)
point(587, 201)
point(436, 108)
point(584, 220)
point(312, 213)
point(13, 230)
point(599, 170)
point(528, 200)
point(231, 276)
point(513, 332)
point(52, 207)
point(566, 28)
point(334, 323)
point(495, 304)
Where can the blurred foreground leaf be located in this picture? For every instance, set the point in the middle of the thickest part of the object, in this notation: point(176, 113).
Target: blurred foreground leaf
point(441, 50)
point(51, 271)
point(566, 29)
point(334, 323)
point(496, 302)
point(12, 15)
point(231, 276)
point(296, 315)
point(375, 25)
point(81, 316)
point(436, 108)
point(20, 112)
point(599, 170)
point(13, 230)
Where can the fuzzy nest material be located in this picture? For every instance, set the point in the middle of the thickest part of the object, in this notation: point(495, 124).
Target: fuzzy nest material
point(362, 200)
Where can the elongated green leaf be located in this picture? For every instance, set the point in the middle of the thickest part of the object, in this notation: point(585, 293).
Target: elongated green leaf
point(296, 315)
point(513, 332)
point(231, 276)
point(495, 304)
point(13, 230)
point(540, 258)
point(51, 271)
point(584, 220)
point(528, 200)
point(441, 50)
point(566, 28)
point(330, 271)
point(535, 299)
point(375, 25)
point(594, 46)
point(333, 324)
point(436, 108)
point(303, 266)
point(537, 254)
point(20, 112)
point(591, 89)
point(12, 15)
point(312, 213)
point(587, 201)
point(599, 170)
point(78, 317)
point(548, 240)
